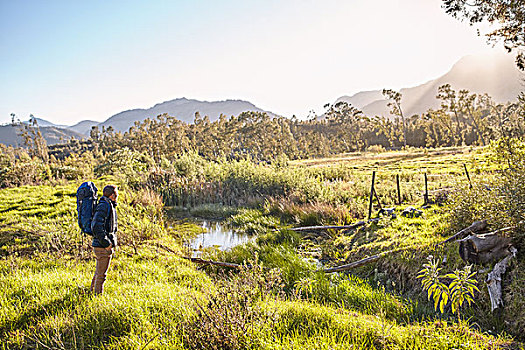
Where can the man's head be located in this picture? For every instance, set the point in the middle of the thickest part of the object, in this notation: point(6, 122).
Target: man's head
point(111, 192)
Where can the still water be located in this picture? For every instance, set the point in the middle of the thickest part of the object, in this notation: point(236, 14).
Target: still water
point(218, 236)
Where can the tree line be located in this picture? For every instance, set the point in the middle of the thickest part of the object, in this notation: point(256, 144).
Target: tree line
point(463, 118)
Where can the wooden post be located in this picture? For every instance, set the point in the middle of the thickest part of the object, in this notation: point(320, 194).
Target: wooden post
point(426, 189)
point(468, 176)
point(398, 190)
point(372, 190)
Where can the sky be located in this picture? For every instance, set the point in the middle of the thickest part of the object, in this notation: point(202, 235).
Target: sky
point(67, 61)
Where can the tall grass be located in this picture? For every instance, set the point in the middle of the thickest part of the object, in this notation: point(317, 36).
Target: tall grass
point(155, 299)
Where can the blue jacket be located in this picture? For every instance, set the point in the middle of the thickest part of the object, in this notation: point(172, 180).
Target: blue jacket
point(104, 224)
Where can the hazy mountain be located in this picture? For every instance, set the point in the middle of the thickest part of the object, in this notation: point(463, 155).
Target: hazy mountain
point(83, 127)
point(362, 99)
point(43, 122)
point(496, 75)
point(183, 109)
point(52, 135)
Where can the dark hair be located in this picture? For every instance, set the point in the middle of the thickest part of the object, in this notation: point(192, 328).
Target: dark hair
point(109, 190)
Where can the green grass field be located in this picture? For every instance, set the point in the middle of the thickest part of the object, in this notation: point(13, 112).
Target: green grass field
point(154, 299)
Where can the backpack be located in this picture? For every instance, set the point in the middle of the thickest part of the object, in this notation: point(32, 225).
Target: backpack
point(86, 205)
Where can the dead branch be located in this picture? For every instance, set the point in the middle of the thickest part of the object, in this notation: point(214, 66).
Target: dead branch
point(343, 227)
point(202, 261)
point(477, 226)
point(356, 263)
point(166, 248)
point(494, 280)
point(216, 263)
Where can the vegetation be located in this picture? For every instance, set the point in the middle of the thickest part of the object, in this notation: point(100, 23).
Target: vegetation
point(154, 298)
point(464, 118)
point(461, 288)
point(278, 298)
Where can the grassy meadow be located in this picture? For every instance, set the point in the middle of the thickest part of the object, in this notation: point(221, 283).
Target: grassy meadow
point(156, 299)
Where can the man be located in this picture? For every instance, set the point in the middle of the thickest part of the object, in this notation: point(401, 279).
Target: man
point(104, 227)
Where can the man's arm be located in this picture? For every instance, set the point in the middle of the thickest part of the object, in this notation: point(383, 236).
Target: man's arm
point(98, 224)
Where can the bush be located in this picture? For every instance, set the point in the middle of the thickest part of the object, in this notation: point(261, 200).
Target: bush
point(309, 214)
point(24, 172)
point(229, 318)
point(128, 164)
point(501, 201)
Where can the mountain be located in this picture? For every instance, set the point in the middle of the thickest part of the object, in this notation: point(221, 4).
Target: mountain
point(43, 122)
point(495, 75)
point(83, 127)
point(183, 109)
point(52, 135)
point(362, 99)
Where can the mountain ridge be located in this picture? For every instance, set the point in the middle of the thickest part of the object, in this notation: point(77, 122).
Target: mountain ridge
point(183, 109)
point(9, 135)
point(495, 75)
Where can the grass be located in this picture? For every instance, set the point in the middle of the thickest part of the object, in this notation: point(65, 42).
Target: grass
point(342, 181)
point(153, 299)
point(45, 303)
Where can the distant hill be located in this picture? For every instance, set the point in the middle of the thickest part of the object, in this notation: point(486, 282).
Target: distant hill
point(183, 109)
point(83, 127)
point(496, 75)
point(52, 135)
point(43, 122)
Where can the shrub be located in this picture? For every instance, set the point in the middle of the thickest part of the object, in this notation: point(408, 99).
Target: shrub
point(130, 165)
point(309, 214)
point(230, 318)
point(460, 289)
point(501, 200)
point(375, 149)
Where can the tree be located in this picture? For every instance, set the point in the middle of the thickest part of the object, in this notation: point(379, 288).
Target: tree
point(33, 139)
point(450, 104)
point(395, 108)
point(348, 124)
point(507, 15)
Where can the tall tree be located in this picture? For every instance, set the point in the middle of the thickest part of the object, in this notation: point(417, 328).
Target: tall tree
point(449, 104)
point(395, 108)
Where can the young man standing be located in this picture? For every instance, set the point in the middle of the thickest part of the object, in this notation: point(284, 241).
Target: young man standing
point(104, 227)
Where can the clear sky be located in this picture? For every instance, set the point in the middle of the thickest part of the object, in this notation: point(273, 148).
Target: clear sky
point(66, 61)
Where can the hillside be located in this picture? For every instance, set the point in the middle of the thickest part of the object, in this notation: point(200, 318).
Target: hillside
point(495, 75)
point(183, 109)
point(83, 127)
point(52, 135)
point(42, 122)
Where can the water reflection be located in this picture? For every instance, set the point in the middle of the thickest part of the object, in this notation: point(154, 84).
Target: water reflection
point(218, 236)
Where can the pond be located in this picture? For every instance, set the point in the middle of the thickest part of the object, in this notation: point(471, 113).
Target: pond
point(217, 235)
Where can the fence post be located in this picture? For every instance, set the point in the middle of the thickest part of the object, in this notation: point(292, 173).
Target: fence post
point(372, 191)
point(426, 190)
point(398, 190)
point(468, 176)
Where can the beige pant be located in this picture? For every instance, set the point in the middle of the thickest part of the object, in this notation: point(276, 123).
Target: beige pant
point(103, 257)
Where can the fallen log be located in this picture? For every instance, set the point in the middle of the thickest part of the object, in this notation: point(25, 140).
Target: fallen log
point(166, 248)
point(477, 226)
point(202, 261)
point(485, 248)
point(216, 263)
point(494, 280)
point(355, 264)
point(342, 227)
